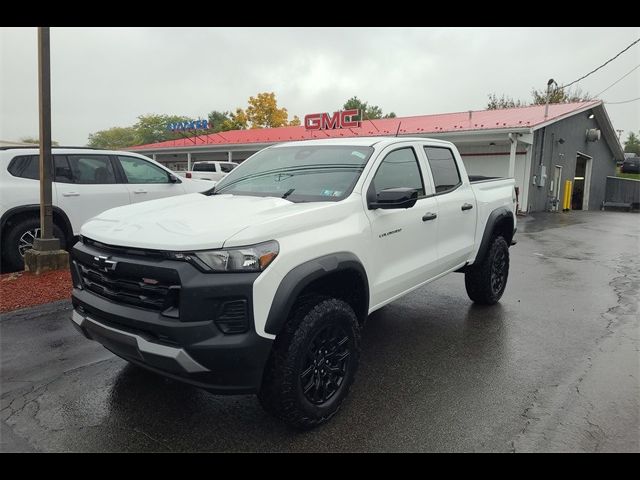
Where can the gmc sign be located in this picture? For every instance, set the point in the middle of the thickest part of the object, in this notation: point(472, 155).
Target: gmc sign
point(322, 121)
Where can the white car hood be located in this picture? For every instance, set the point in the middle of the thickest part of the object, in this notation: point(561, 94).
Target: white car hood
point(188, 222)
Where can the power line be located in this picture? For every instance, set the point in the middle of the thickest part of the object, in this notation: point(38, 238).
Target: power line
point(621, 78)
point(626, 101)
point(605, 63)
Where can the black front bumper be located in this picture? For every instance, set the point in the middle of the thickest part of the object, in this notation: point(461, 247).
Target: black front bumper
point(182, 339)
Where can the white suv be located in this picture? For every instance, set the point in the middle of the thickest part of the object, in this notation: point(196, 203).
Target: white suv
point(86, 183)
point(210, 170)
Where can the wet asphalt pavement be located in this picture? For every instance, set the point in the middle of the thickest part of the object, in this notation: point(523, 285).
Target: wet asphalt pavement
point(554, 367)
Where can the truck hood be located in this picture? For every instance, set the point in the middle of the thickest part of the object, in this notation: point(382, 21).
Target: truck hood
point(191, 222)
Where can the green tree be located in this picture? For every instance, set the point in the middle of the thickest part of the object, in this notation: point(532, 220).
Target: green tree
point(632, 144)
point(236, 121)
point(539, 97)
point(504, 101)
point(369, 112)
point(113, 138)
point(152, 128)
point(36, 141)
point(559, 95)
point(219, 121)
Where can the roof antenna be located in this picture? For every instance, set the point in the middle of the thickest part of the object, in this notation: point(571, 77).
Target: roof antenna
point(398, 131)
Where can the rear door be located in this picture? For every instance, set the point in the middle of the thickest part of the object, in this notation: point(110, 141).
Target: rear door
point(146, 181)
point(86, 185)
point(403, 243)
point(456, 206)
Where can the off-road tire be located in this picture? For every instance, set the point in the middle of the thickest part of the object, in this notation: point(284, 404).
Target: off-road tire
point(480, 279)
point(282, 391)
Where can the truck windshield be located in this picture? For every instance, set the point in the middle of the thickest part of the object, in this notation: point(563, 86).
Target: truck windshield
point(299, 174)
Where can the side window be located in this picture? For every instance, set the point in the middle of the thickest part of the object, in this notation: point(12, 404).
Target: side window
point(443, 168)
point(399, 169)
point(141, 171)
point(62, 169)
point(25, 166)
point(227, 167)
point(91, 169)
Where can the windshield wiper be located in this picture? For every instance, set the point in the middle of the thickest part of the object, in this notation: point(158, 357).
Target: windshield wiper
point(288, 192)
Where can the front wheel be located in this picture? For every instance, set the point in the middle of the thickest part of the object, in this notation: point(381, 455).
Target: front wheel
point(19, 238)
point(486, 281)
point(313, 363)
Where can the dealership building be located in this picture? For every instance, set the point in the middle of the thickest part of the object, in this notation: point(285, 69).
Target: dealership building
point(540, 146)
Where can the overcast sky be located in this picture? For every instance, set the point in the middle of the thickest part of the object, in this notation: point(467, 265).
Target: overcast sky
point(105, 77)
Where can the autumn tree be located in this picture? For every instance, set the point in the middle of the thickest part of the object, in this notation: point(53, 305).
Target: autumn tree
point(368, 112)
point(632, 144)
point(237, 121)
point(263, 111)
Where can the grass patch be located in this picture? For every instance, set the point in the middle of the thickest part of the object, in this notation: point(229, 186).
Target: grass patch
point(634, 176)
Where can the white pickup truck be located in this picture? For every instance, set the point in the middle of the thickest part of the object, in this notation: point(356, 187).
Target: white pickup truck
point(210, 170)
point(263, 283)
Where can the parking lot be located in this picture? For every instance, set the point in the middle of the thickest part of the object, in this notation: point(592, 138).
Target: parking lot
point(553, 367)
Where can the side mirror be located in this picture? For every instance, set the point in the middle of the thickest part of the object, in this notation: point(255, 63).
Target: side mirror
point(391, 198)
point(173, 178)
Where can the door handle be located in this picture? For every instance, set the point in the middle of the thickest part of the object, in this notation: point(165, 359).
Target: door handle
point(429, 216)
point(70, 194)
point(467, 206)
point(139, 191)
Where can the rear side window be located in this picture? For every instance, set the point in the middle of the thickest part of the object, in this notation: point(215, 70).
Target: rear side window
point(227, 167)
point(204, 167)
point(443, 168)
point(62, 169)
point(25, 166)
point(96, 169)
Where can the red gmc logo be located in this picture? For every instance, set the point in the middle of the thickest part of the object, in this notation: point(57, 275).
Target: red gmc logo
point(322, 121)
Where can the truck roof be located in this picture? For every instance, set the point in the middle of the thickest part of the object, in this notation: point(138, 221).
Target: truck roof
point(358, 141)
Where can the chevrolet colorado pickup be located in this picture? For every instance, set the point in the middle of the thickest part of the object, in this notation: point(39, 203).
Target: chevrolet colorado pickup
point(263, 283)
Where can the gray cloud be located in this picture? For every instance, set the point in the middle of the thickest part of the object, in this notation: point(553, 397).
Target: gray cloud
point(103, 77)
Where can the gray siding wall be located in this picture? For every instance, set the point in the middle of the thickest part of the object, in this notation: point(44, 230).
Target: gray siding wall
point(573, 131)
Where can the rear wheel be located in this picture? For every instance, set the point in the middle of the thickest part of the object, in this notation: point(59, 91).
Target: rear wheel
point(486, 281)
point(19, 238)
point(313, 363)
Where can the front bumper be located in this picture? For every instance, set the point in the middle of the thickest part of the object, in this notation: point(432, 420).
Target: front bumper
point(184, 341)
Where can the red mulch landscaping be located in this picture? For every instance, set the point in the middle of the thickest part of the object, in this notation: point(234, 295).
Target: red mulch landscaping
point(24, 289)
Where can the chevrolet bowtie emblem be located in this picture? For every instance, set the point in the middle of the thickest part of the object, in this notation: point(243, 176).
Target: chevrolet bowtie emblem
point(104, 263)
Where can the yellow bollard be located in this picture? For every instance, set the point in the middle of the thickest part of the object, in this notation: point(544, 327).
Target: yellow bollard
point(566, 203)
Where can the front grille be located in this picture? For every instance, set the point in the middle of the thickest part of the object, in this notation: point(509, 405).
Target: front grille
point(233, 317)
point(131, 289)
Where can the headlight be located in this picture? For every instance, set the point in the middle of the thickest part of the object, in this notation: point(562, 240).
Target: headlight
point(254, 258)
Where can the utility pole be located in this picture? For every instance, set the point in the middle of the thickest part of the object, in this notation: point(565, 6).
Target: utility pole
point(46, 253)
point(546, 107)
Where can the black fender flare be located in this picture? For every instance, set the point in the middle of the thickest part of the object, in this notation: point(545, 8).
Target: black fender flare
point(301, 276)
point(33, 208)
point(495, 217)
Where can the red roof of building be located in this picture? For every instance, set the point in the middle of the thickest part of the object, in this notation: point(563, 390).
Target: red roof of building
point(509, 118)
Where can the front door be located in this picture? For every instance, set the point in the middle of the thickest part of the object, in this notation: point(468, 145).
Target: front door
point(403, 241)
point(146, 181)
